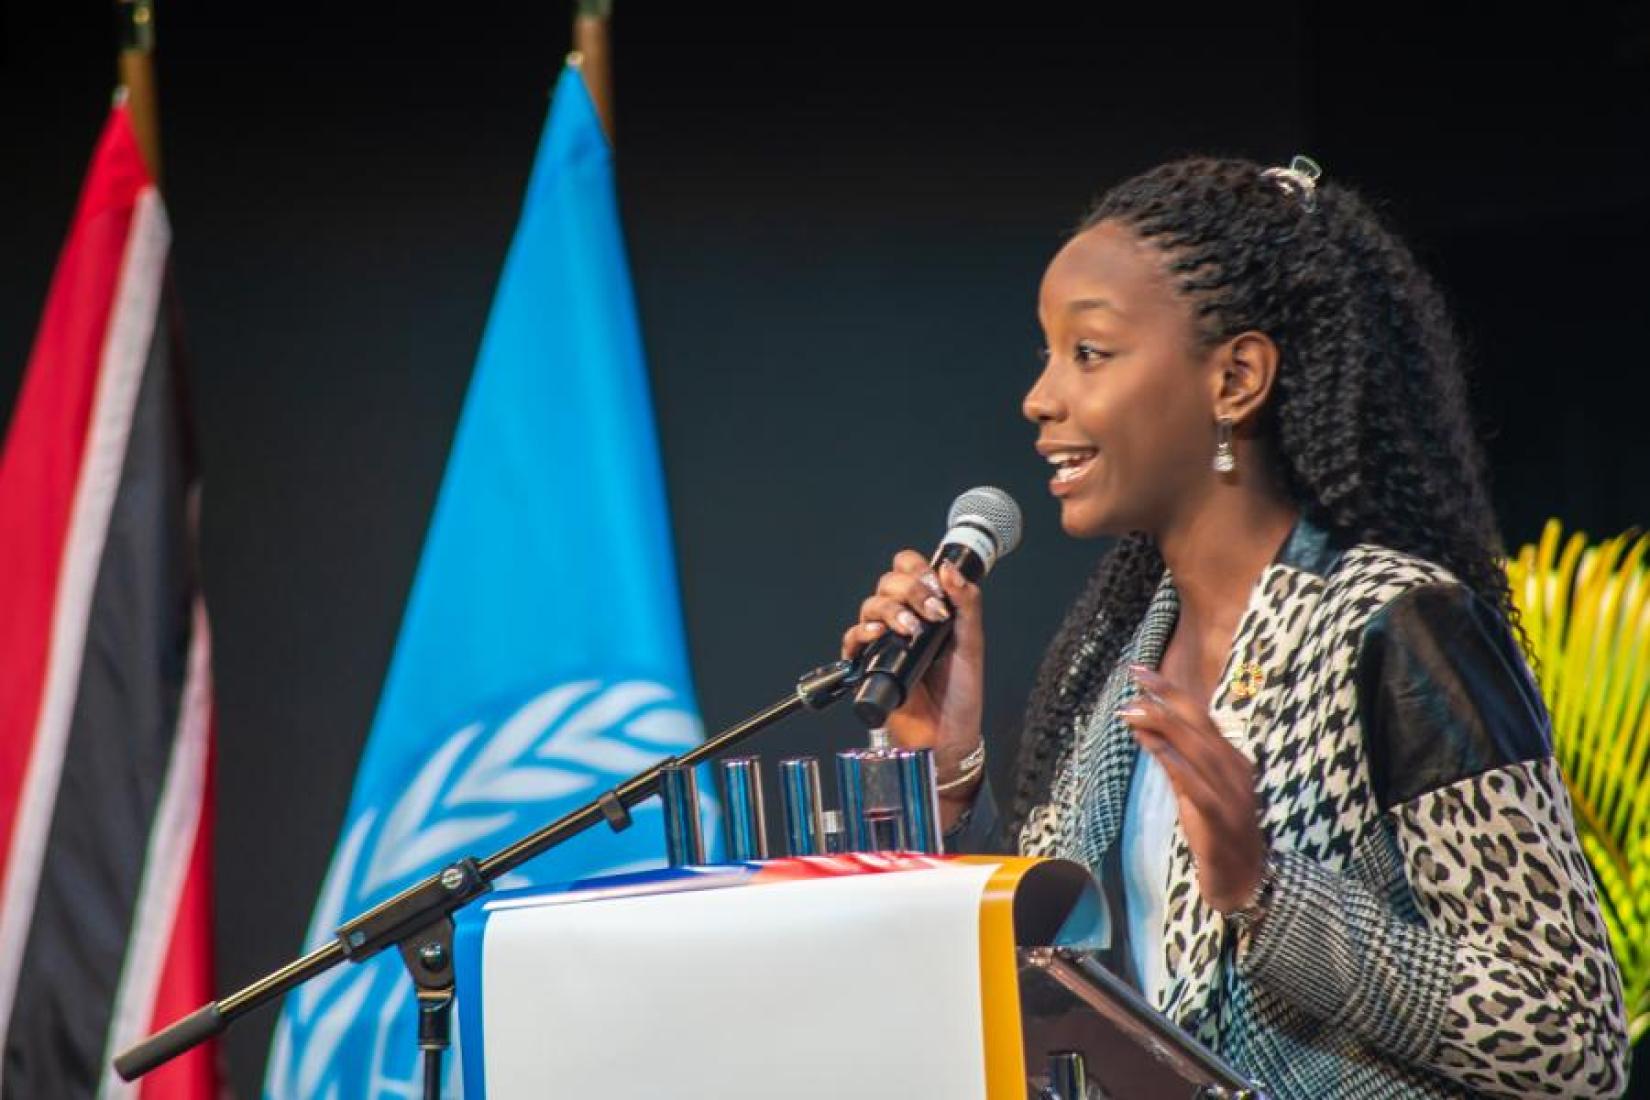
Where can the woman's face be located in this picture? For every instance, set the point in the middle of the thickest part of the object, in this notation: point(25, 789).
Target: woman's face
point(1125, 403)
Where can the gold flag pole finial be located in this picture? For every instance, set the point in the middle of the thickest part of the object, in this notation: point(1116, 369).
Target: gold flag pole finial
point(136, 68)
point(592, 56)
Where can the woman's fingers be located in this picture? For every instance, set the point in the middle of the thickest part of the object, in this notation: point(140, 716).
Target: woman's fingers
point(916, 592)
point(1174, 715)
point(1189, 783)
point(1145, 715)
point(906, 597)
point(910, 562)
point(859, 636)
point(896, 615)
point(1213, 774)
point(964, 596)
point(957, 588)
point(933, 593)
point(1154, 686)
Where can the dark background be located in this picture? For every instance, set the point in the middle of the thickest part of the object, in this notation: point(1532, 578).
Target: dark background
point(837, 218)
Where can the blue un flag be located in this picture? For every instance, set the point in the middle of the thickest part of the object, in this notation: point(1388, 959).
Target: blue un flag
point(541, 658)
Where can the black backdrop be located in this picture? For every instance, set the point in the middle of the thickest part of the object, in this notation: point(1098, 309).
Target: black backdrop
point(837, 217)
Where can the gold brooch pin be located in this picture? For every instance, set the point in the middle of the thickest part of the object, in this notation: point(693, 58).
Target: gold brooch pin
point(1247, 680)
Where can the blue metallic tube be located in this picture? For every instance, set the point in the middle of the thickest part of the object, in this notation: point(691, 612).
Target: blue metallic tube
point(746, 817)
point(920, 801)
point(684, 836)
point(802, 806)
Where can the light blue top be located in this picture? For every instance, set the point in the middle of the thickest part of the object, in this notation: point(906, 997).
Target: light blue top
point(1148, 834)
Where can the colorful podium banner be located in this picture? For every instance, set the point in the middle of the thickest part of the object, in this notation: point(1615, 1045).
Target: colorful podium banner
point(866, 976)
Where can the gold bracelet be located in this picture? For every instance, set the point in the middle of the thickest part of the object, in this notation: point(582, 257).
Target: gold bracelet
point(972, 765)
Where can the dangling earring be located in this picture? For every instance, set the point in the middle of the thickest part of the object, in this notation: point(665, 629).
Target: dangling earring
point(1225, 461)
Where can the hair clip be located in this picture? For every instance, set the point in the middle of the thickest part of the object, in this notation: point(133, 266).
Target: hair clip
point(1300, 178)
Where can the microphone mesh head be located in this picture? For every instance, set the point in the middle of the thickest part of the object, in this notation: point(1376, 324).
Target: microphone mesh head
point(993, 510)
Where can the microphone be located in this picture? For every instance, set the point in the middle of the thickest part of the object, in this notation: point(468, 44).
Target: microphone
point(984, 525)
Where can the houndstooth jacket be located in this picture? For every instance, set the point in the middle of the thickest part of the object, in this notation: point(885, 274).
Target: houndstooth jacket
point(1433, 930)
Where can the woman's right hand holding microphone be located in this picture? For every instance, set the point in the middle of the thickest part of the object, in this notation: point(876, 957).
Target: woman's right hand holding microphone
point(944, 710)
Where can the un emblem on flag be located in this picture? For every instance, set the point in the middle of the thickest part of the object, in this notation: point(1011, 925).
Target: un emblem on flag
point(349, 1033)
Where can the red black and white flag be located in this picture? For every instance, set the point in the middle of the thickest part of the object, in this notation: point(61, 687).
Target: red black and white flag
point(106, 717)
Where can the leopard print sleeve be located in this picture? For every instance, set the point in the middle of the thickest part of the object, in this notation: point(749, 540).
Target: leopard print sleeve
point(1466, 939)
point(1535, 1004)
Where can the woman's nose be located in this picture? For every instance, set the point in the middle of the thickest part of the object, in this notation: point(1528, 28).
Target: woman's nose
point(1041, 402)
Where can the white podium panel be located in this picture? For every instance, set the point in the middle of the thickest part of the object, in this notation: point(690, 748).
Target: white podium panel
point(744, 983)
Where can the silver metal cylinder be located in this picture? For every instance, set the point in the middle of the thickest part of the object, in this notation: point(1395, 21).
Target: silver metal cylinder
point(835, 835)
point(802, 805)
point(873, 814)
point(745, 816)
point(920, 801)
point(684, 836)
point(882, 832)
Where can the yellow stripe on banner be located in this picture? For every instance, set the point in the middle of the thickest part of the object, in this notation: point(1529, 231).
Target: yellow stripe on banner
point(1005, 1065)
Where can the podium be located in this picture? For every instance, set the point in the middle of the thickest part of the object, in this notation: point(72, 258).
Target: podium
point(867, 975)
point(871, 976)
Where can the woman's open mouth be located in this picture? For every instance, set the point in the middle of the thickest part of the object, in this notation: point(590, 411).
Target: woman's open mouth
point(1070, 466)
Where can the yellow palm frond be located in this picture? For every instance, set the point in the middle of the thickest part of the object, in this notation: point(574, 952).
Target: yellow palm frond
point(1586, 610)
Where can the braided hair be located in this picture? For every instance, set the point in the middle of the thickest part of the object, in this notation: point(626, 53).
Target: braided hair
point(1367, 424)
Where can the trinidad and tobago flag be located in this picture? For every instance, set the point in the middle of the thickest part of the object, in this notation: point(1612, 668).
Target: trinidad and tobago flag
point(105, 687)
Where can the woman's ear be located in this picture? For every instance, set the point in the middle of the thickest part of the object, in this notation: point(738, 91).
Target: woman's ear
point(1246, 367)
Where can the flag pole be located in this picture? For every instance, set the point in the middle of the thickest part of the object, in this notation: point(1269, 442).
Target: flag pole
point(136, 68)
point(593, 57)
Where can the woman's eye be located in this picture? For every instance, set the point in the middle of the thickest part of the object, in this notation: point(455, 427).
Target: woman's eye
point(1089, 353)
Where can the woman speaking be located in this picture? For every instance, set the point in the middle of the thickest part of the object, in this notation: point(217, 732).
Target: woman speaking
point(1345, 857)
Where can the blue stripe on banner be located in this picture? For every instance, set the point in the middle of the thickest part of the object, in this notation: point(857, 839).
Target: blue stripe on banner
point(541, 658)
point(468, 940)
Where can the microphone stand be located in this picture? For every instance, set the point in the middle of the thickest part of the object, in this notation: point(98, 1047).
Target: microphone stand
point(418, 922)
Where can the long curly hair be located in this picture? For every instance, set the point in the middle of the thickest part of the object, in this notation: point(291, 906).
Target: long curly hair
point(1368, 421)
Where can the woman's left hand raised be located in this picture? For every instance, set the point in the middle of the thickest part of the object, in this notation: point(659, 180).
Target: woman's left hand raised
point(1214, 786)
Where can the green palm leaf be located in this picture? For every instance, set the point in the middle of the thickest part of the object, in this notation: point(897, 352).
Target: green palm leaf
point(1586, 610)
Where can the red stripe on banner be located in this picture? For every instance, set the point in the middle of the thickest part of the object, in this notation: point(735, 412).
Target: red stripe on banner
point(793, 868)
point(187, 982)
point(40, 465)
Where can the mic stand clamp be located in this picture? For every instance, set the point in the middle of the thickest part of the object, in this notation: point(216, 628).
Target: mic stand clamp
point(821, 687)
point(419, 922)
point(428, 957)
